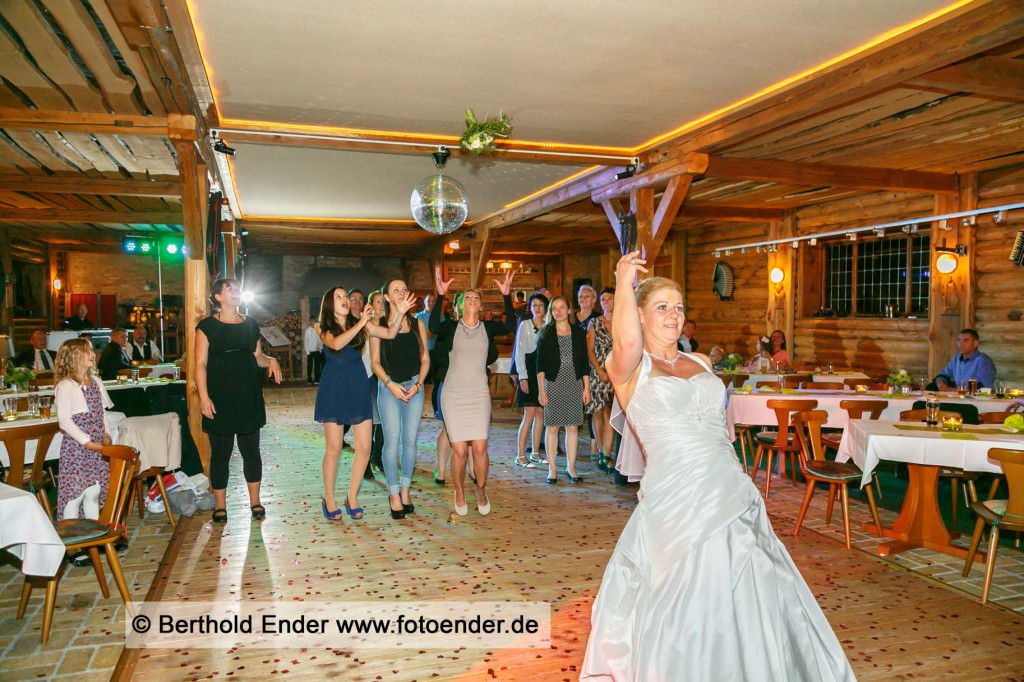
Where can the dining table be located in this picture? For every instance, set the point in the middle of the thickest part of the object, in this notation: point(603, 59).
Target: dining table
point(925, 450)
point(751, 407)
point(836, 377)
point(27, 532)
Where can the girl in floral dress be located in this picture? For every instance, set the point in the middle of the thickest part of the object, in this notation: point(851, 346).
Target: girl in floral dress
point(599, 344)
point(80, 400)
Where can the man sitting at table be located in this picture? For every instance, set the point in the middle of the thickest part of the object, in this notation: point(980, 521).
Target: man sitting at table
point(36, 357)
point(143, 350)
point(79, 321)
point(115, 355)
point(969, 363)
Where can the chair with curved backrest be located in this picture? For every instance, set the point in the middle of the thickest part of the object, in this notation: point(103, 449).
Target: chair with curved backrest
point(794, 380)
point(1002, 515)
point(826, 385)
point(856, 409)
point(968, 412)
point(14, 440)
point(854, 383)
point(767, 384)
point(90, 535)
point(127, 372)
point(46, 379)
point(993, 417)
point(739, 379)
point(781, 441)
point(838, 475)
point(959, 477)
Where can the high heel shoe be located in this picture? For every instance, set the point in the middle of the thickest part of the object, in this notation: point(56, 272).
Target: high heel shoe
point(330, 515)
point(397, 514)
point(259, 512)
point(438, 481)
point(354, 512)
point(484, 509)
point(552, 479)
point(464, 509)
point(573, 477)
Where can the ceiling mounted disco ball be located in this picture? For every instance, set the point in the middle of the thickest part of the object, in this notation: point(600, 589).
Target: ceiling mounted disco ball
point(439, 202)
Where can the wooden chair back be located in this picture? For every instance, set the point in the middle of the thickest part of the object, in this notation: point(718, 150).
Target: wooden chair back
point(856, 409)
point(739, 379)
point(14, 439)
point(993, 417)
point(854, 383)
point(46, 379)
point(1012, 462)
point(767, 384)
point(807, 425)
point(124, 461)
point(827, 385)
point(127, 372)
point(921, 415)
point(783, 409)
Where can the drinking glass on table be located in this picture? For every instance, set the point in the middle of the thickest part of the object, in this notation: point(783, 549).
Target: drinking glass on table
point(1000, 389)
point(135, 376)
point(177, 373)
point(10, 409)
point(922, 383)
point(45, 402)
point(33, 406)
point(961, 389)
point(931, 413)
point(972, 386)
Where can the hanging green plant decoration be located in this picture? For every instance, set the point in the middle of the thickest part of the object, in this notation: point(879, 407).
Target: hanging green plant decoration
point(480, 136)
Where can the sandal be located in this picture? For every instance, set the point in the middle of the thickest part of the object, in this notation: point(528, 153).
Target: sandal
point(220, 515)
point(330, 515)
point(259, 512)
point(354, 512)
point(523, 461)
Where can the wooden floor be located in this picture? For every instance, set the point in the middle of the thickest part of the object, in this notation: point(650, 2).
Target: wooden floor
point(540, 543)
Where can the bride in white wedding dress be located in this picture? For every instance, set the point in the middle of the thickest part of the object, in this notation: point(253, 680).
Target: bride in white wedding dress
point(698, 587)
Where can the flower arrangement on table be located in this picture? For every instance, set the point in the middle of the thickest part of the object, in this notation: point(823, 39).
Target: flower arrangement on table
point(732, 361)
point(479, 136)
point(19, 376)
point(898, 378)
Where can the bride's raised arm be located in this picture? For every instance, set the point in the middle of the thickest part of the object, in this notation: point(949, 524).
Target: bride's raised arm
point(627, 335)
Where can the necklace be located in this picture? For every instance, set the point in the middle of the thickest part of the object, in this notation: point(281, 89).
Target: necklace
point(468, 328)
point(671, 363)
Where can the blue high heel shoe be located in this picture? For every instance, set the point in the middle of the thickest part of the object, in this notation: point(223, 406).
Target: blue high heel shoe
point(354, 512)
point(330, 515)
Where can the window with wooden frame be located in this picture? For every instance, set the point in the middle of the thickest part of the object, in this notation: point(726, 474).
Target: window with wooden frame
point(862, 278)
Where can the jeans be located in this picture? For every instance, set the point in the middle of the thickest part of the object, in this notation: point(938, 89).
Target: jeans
point(401, 422)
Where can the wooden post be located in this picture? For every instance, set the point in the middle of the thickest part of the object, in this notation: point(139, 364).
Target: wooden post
point(194, 199)
point(679, 260)
point(641, 203)
point(951, 299)
point(227, 231)
point(7, 308)
point(304, 321)
point(781, 307)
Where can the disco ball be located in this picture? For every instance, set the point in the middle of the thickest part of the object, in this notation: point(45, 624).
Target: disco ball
point(439, 204)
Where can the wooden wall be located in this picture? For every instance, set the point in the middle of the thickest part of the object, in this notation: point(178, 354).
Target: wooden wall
point(998, 284)
point(735, 325)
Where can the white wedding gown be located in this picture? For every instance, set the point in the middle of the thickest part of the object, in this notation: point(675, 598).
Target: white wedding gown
point(698, 587)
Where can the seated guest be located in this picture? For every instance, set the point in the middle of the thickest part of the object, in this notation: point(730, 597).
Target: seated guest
point(717, 357)
point(79, 321)
point(969, 363)
point(142, 350)
point(115, 355)
point(778, 350)
point(687, 343)
point(762, 362)
point(36, 357)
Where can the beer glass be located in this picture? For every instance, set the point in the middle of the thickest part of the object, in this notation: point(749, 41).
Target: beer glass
point(33, 406)
point(10, 409)
point(135, 376)
point(972, 386)
point(45, 402)
point(1000, 389)
point(932, 411)
point(961, 389)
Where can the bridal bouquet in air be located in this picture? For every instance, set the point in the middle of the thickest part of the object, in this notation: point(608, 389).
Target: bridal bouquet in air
point(479, 136)
point(898, 378)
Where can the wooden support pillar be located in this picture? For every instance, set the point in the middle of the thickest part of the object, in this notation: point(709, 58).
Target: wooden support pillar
point(781, 307)
point(194, 201)
point(679, 261)
point(230, 239)
point(7, 306)
point(304, 321)
point(479, 253)
point(608, 263)
point(641, 204)
point(951, 303)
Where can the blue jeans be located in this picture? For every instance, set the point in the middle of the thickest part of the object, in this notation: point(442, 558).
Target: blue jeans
point(401, 422)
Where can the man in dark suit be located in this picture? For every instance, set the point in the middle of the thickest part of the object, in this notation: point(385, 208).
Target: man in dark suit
point(36, 357)
point(79, 321)
point(115, 355)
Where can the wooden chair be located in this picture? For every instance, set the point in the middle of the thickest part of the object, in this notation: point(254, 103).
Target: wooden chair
point(781, 441)
point(14, 439)
point(767, 384)
point(138, 492)
point(794, 380)
point(744, 432)
point(958, 477)
point(838, 475)
point(854, 383)
point(90, 535)
point(45, 379)
point(827, 385)
point(1000, 514)
point(878, 387)
point(143, 372)
point(856, 409)
point(993, 417)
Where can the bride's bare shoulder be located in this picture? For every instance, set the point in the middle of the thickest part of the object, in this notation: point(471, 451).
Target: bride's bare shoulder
point(623, 386)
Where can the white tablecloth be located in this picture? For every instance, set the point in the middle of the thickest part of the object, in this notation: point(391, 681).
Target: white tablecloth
point(500, 366)
point(753, 379)
point(752, 408)
point(28, 534)
point(113, 418)
point(866, 442)
point(165, 369)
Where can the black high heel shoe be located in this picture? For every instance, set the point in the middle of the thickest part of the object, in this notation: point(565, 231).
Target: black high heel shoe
point(438, 481)
point(397, 513)
point(574, 479)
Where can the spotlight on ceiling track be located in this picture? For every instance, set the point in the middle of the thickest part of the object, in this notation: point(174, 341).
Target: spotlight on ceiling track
point(220, 146)
point(628, 172)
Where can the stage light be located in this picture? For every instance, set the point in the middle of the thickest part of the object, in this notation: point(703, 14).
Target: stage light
point(248, 297)
point(130, 245)
point(145, 246)
point(172, 248)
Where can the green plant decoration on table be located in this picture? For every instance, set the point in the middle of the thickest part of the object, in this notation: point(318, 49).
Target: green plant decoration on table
point(479, 136)
point(898, 378)
point(19, 376)
point(732, 361)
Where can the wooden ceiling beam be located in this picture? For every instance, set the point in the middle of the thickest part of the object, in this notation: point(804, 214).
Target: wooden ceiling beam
point(175, 125)
point(76, 216)
point(658, 175)
point(371, 227)
point(553, 231)
point(45, 184)
point(997, 78)
point(311, 236)
point(732, 214)
point(814, 174)
point(961, 34)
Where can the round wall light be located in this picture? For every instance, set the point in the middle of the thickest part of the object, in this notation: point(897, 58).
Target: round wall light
point(777, 276)
point(946, 263)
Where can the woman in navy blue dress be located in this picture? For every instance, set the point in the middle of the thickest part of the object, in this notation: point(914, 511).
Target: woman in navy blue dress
point(344, 394)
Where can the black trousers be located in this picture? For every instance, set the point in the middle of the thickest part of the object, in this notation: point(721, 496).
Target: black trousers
point(314, 366)
point(220, 455)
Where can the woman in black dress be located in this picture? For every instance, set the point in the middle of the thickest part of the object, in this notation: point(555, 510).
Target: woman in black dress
point(228, 377)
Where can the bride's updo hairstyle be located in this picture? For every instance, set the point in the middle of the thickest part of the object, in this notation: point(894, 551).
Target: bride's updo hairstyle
point(647, 288)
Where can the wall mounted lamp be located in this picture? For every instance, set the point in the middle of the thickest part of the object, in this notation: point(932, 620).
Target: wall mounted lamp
point(57, 284)
point(777, 276)
point(959, 249)
point(946, 263)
